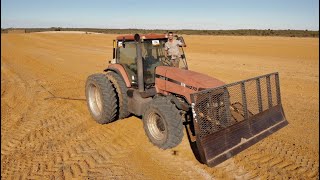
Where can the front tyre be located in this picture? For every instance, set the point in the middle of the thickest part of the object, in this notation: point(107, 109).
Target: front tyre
point(101, 98)
point(162, 123)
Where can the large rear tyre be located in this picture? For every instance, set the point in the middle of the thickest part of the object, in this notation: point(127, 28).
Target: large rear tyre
point(121, 91)
point(101, 98)
point(162, 122)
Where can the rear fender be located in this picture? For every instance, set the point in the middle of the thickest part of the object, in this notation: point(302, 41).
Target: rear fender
point(118, 68)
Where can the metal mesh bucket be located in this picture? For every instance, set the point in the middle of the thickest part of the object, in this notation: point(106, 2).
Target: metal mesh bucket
point(232, 117)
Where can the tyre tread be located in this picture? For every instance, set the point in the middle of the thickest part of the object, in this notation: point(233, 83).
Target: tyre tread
point(173, 119)
point(121, 92)
point(108, 96)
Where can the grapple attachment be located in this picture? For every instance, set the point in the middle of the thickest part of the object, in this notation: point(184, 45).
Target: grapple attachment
point(232, 117)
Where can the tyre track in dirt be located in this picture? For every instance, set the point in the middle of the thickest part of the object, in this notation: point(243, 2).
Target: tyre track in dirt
point(280, 158)
point(44, 136)
point(14, 123)
point(47, 132)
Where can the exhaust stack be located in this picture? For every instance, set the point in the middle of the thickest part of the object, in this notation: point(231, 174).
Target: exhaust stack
point(139, 63)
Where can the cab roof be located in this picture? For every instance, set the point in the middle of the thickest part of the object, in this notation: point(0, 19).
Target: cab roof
point(129, 37)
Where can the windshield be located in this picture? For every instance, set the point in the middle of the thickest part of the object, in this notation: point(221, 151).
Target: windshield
point(153, 51)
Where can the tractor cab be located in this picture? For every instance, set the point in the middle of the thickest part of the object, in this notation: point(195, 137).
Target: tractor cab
point(153, 55)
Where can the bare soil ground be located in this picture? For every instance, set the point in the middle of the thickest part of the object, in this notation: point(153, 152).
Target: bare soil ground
point(47, 131)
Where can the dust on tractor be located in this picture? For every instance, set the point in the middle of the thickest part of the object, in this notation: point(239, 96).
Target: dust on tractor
point(221, 119)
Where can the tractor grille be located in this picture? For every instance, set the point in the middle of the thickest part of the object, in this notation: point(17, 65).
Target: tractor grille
point(218, 108)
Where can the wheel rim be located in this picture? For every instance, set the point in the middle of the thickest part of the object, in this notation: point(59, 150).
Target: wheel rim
point(156, 126)
point(94, 98)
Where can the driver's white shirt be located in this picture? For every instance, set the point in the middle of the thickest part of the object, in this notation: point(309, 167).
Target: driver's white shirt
point(173, 48)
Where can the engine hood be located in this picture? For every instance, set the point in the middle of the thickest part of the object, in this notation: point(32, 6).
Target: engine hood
point(190, 79)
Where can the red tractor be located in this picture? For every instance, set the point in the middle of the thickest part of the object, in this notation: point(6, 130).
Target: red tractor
point(223, 119)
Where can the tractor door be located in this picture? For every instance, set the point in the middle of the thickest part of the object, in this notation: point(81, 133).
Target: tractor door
point(152, 56)
point(127, 57)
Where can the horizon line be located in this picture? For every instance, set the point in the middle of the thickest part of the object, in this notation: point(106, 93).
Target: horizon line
point(155, 29)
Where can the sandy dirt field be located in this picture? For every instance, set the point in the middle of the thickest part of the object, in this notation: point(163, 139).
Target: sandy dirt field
point(47, 131)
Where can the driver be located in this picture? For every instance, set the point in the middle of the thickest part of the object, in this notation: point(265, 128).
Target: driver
point(172, 50)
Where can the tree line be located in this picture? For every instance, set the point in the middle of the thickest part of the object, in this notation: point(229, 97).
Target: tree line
point(237, 32)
